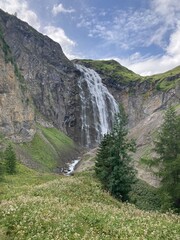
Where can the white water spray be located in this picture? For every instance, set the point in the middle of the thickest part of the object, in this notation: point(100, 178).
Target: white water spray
point(98, 106)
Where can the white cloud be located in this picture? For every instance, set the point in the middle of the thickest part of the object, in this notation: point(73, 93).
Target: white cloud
point(170, 13)
point(134, 29)
point(58, 35)
point(60, 9)
point(174, 45)
point(126, 29)
point(156, 64)
point(20, 7)
point(149, 66)
point(168, 9)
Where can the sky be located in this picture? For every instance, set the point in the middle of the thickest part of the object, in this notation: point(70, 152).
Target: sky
point(143, 35)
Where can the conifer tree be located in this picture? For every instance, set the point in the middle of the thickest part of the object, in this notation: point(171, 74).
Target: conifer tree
point(1, 171)
point(1, 166)
point(113, 164)
point(10, 160)
point(167, 147)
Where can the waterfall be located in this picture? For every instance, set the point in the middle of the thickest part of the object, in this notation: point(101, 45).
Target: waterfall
point(98, 107)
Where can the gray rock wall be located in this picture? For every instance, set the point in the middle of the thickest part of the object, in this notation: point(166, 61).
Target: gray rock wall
point(16, 112)
point(51, 78)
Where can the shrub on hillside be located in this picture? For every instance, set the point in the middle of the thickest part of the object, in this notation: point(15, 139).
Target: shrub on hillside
point(144, 196)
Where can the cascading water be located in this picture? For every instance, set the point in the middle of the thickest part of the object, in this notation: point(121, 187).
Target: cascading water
point(98, 107)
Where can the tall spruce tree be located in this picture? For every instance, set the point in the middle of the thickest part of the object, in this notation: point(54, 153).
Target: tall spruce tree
point(113, 164)
point(1, 166)
point(10, 160)
point(167, 147)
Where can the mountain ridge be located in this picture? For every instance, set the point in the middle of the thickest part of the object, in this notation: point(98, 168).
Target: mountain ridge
point(123, 75)
point(52, 82)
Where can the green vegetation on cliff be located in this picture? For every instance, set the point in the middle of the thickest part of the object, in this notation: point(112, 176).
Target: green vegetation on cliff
point(111, 69)
point(5, 48)
point(38, 207)
point(10, 59)
point(167, 80)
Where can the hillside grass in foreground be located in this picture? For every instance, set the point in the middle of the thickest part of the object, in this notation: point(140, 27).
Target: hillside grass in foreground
point(75, 208)
point(25, 179)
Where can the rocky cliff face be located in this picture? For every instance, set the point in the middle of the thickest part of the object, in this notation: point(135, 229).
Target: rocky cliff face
point(16, 112)
point(51, 78)
point(53, 81)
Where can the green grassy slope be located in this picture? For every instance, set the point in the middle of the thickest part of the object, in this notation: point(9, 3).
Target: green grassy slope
point(25, 179)
point(75, 208)
point(113, 70)
point(48, 149)
point(167, 80)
